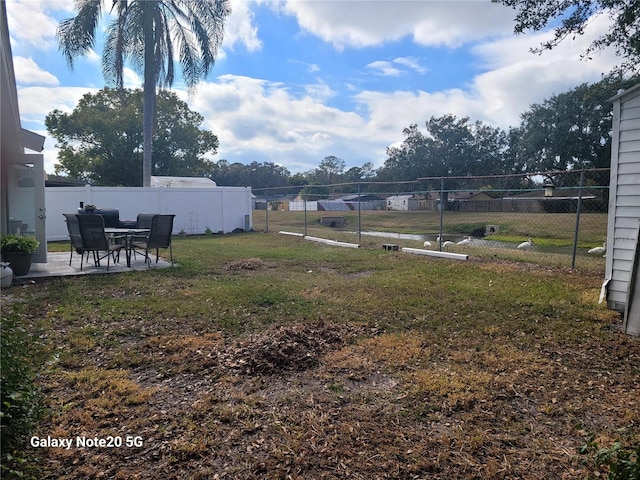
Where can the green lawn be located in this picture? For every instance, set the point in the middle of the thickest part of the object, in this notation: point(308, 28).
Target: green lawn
point(269, 356)
point(593, 226)
point(553, 233)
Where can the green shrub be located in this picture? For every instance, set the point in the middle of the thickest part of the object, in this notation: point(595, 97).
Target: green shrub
point(620, 463)
point(18, 243)
point(21, 405)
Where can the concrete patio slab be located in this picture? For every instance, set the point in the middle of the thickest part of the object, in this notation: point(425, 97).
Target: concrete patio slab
point(58, 266)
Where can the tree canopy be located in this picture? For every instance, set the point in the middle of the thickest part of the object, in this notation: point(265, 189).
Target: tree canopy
point(255, 174)
point(101, 140)
point(329, 169)
point(572, 17)
point(451, 146)
point(570, 130)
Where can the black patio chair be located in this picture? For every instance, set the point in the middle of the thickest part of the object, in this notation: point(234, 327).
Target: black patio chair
point(159, 236)
point(144, 220)
point(95, 240)
point(73, 227)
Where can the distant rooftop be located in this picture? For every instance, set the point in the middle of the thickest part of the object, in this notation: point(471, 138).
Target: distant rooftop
point(182, 182)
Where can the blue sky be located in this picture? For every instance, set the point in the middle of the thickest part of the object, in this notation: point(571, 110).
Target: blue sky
point(298, 80)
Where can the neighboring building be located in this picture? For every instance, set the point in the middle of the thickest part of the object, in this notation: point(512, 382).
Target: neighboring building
point(555, 200)
point(332, 206)
point(365, 201)
point(454, 196)
point(22, 174)
point(58, 181)
point(622, 266)
point(402, 202)
point(182, 182)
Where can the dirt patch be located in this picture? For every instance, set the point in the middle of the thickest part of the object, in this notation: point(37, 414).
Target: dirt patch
point(245, 264)
point(297, 347)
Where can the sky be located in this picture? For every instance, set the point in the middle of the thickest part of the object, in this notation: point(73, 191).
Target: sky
point(296, 81)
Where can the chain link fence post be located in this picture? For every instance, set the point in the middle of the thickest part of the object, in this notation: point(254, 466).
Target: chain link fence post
point(359, 214)
point(267, 211)
point(578, 208)
point(441, 208)
point(305, 217)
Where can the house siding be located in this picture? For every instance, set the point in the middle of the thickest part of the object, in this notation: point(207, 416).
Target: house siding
point(624, 204)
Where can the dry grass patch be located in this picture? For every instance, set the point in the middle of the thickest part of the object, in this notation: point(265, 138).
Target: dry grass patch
point(106, 392)
point(289, 365)
point(456, 388)
point(404, 350)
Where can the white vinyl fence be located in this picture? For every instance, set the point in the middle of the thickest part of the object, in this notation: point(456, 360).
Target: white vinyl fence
point(220, 209)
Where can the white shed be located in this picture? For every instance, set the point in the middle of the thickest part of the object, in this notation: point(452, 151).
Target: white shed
point(622, 266)
point(402, 202)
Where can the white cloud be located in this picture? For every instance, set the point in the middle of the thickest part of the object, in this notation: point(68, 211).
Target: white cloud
point(311, 67)
point(391, 69)
point(30, 23)
point(240, 28)
point(28, 72)
point(434, 23)
point(262, 121)
point(131, 79)
point(36, 102)
point(516, 79)
point(384, 68)
point(319, 91)
point(412, 63)
point(93, 57)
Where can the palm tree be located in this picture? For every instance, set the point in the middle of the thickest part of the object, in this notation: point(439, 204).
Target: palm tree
point(148, 34)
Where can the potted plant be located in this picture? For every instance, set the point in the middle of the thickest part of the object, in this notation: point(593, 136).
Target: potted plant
point(17, 251)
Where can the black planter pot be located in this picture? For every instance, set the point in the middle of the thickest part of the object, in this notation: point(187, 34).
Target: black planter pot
point(19, 262)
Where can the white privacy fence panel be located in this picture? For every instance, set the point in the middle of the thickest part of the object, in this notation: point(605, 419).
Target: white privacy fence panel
point(220, 209)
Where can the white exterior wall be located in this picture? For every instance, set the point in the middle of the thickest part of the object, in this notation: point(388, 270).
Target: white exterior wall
point(624, 196)
point(221, 209)
point(402, 202)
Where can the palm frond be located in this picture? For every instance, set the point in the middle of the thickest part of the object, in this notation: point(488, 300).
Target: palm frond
point(113, 54)
point(192, 30)
point(76, 35)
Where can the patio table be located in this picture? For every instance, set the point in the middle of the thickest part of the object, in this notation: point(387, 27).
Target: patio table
point(127, 234)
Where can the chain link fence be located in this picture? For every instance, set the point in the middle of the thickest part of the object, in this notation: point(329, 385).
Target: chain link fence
point(554, 218)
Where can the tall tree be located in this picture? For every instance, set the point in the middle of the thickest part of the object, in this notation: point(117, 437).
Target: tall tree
point(100, 142)
point(149, 34)
point(359, 174)
point(329, 169)
point(257, 175)
point(571, 130)
point(571, 18)
point(450, 146)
